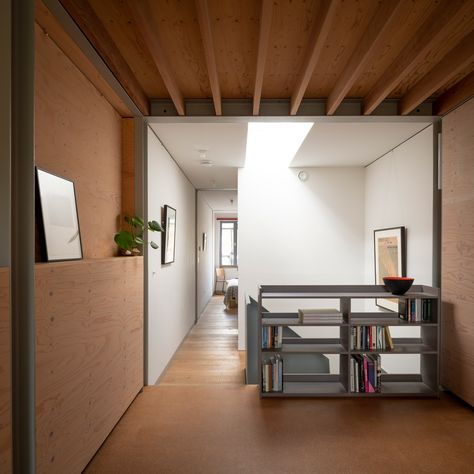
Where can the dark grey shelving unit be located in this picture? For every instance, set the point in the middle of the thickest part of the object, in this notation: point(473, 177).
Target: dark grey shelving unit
point(425, 384)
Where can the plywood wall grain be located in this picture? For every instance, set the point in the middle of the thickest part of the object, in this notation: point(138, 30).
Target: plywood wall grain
point(89, 358)
point(78, 136)
point(457, 286)
point(5, 373)
point(128, 166)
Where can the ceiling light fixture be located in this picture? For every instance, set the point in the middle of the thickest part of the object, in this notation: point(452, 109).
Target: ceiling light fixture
point(274, 144)
point(207, 163)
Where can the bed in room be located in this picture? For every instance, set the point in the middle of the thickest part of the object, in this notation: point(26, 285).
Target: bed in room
point(231, 295)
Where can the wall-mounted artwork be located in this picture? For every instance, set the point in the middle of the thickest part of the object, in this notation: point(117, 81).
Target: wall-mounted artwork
point(169, 235)
point(59, 220)
point(390, 259)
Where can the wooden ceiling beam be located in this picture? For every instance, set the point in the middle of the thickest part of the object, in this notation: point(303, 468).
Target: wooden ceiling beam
point(429, 36)
point(319, 37)
point(142, 16)
point(455, 96)
point(366, 51)
point(90, 24)
point(456, 61)
point(263, 41)
point(209, 53)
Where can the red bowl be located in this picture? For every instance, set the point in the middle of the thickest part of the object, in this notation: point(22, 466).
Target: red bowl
point(398, 285)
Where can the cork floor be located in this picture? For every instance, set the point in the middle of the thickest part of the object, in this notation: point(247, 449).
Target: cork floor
point(215, 424)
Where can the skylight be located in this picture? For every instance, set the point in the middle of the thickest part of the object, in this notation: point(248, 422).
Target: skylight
point(274, 143)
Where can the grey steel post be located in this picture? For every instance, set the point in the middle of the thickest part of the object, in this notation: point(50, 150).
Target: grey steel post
point(23, 237)
point(437, 170)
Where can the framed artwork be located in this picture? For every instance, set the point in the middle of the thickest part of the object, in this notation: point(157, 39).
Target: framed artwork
point(169, 235)
point(58, 220)
point(389, 259)
point(204, 241)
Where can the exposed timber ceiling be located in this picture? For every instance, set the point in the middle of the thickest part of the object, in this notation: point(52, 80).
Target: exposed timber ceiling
point(410, 50)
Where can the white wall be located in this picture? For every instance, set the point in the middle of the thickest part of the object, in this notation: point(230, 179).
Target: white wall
point(205, 258)
point(293, 232)
point(171, 288)
point(399, 192)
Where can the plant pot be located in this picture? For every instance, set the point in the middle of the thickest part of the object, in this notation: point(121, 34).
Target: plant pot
point(130, 253)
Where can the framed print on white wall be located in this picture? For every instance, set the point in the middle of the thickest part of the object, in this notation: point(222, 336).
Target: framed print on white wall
point(389, 259)
point(169, 235)
point(59, 219)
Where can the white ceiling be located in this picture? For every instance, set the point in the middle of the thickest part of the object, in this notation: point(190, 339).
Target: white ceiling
point(327, 144)
point(225, 144)
point(221, 200)
point(351, 144)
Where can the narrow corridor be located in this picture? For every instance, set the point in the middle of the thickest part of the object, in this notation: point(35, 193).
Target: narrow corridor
point(209, 353)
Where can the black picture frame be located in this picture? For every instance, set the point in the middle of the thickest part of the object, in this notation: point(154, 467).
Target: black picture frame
point(169, 236)
point(391, 235)
point(58, 220)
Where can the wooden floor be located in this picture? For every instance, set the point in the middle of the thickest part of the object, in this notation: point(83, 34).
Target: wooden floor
point(209, 354)
point(201, 418)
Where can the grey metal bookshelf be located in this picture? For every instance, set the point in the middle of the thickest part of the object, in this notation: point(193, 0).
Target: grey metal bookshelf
point(424, 384)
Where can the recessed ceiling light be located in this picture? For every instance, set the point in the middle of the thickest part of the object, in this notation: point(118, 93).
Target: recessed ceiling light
point(274, 144)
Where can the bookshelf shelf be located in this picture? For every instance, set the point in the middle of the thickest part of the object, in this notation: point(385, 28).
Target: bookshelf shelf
point(318, 348)
point(424, 384)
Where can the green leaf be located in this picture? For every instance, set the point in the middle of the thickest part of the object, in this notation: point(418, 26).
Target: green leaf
point(153, 245)
point(124, 240)
point(139, 240)
point(138, 222)
point(127, 219)
point(154, 226)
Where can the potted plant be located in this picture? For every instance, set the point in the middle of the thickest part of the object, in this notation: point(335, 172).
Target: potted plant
point(130, 240)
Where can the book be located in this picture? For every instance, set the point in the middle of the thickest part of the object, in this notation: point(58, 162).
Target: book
point(272, 337)
point(366, 373)
point(320, 315)
point(371, 338)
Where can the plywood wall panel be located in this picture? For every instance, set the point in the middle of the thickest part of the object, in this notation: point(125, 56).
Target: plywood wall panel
point(78, 136)
point(54, 29)
point(457, 286)
point(89, 322)
point(128, 166)
point(5, 373)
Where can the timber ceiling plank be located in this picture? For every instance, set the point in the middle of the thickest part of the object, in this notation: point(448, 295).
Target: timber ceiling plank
point(235, 31)
point(208, 44)
point(366, 51)
point(429, 36)
point(350, 23)
point(87, 20)
point(398, 35)
point(460, 58)
point(292, 26)
point(455, 96)
point(117, 19)
point(263, 44)
point(319, 36)
point(142, 17)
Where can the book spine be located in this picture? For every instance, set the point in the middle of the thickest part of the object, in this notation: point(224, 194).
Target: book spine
point(281, 374)
point(366, 374)
point(379, 373)
point(352, 377)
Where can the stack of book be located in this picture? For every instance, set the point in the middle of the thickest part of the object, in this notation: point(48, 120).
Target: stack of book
point(272, 337)
point(321, 316)
point(415, 310)
point(371, 338)
point(366, 371)
point(272, 374)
